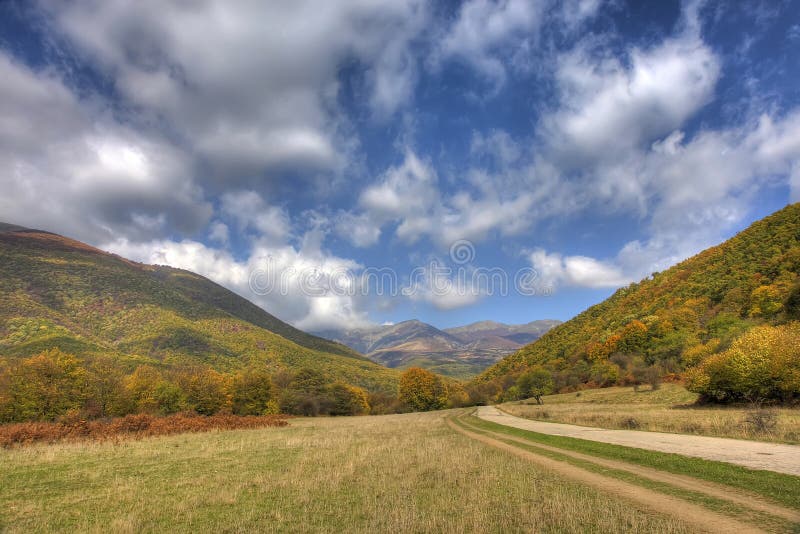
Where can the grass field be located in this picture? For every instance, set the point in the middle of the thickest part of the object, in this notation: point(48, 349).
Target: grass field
point(668, 409)
point(409, 473)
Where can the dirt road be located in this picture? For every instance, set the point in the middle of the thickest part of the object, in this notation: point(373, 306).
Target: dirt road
point(753, 454)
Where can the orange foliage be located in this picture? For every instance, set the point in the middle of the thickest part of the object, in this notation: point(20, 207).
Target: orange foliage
point(130, 426)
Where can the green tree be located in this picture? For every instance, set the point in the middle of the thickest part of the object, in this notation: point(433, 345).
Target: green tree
point(535, 382)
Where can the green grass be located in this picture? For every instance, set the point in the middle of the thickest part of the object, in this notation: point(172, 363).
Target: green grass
point(409, 473)
point(777, 487)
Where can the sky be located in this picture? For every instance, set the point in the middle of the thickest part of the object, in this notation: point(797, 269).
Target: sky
point(363, 162)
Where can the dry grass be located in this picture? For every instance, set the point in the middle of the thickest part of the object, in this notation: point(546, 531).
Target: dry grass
point(399, 473)
point(128, 427)
point(668, 409)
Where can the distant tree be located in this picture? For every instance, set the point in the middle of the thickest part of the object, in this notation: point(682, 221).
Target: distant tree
point(149, 392)
point(44, 387)
point(252, 393)
point(105, 388)
point(348, 400)
point(422, 390)
point(535, 382)
point(207, 391)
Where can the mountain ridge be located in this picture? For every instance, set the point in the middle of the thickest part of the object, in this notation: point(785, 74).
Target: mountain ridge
point(459, 352)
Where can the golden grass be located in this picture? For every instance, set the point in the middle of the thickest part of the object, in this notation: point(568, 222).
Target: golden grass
point(668, 409)
point(399, 473)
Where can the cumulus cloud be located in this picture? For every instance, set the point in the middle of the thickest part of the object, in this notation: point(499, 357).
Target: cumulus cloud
point(69, 166)
point(284, 280)
point(607, 106)
point(251, 86)
point(410, 196)
point(485, 30)
point(554, 270)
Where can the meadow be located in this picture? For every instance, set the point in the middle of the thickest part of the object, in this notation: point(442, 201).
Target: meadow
point(671, 408)
point(411, 473)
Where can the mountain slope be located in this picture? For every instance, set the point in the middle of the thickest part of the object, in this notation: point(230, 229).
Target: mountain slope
point(458, 352)
point(519, 334)
point(58, 292)
point(682, 314)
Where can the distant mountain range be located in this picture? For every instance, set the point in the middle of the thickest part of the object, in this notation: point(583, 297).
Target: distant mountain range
point(459, 352)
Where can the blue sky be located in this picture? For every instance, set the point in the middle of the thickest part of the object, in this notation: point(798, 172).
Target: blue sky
point(584, 144)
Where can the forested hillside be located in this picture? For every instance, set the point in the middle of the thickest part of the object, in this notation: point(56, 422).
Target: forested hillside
point(674, 319)
point(57, 293)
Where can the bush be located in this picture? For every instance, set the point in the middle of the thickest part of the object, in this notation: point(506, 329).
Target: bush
point(761, 365)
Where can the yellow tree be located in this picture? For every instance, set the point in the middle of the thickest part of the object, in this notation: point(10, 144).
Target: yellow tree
point(422, 390)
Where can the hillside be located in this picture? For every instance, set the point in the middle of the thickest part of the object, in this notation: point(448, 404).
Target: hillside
point(460, 352)
point(679, 316)
point(58, 292)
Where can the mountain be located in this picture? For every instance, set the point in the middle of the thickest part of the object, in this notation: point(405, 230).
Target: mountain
point(677, 317)
point(58, 292)
point(520, 334)
point(458, 352)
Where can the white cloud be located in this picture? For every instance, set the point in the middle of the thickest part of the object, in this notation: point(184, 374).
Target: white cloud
point(293, 273)
point(68, 166)
point(555, 270)
point(252, 86)
point(485, 29)
point(250, 211)
point(608, 107)
point(576, 12)
point(219, 233)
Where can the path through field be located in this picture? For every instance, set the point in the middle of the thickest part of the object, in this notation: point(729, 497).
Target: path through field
point(753, 454)
point(703, 505)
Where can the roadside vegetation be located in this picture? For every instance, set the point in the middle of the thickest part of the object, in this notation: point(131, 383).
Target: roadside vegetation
point(671, 408)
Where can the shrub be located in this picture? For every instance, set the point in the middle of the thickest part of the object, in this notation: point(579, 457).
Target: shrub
point(761, 365)
point(136, 426)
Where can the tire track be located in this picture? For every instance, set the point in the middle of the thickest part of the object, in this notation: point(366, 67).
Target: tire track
point(697, 517)
point(717, 491)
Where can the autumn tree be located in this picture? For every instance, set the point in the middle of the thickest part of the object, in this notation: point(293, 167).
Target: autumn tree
point(252, 393)
point(761, 365)
point(347, 400)
point(149, 392)
point(207, 391)
point(422, 390)
point(44, 387)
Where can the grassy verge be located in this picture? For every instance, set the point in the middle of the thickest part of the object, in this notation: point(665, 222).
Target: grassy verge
point(400, 473)
point(777, 487)
point(668, 409)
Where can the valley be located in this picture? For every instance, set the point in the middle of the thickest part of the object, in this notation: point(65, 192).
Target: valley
point(459, 352)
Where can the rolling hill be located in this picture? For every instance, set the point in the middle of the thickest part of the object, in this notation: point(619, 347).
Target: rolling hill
point(460, 352)
point(58, 292)
point(679, 316)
